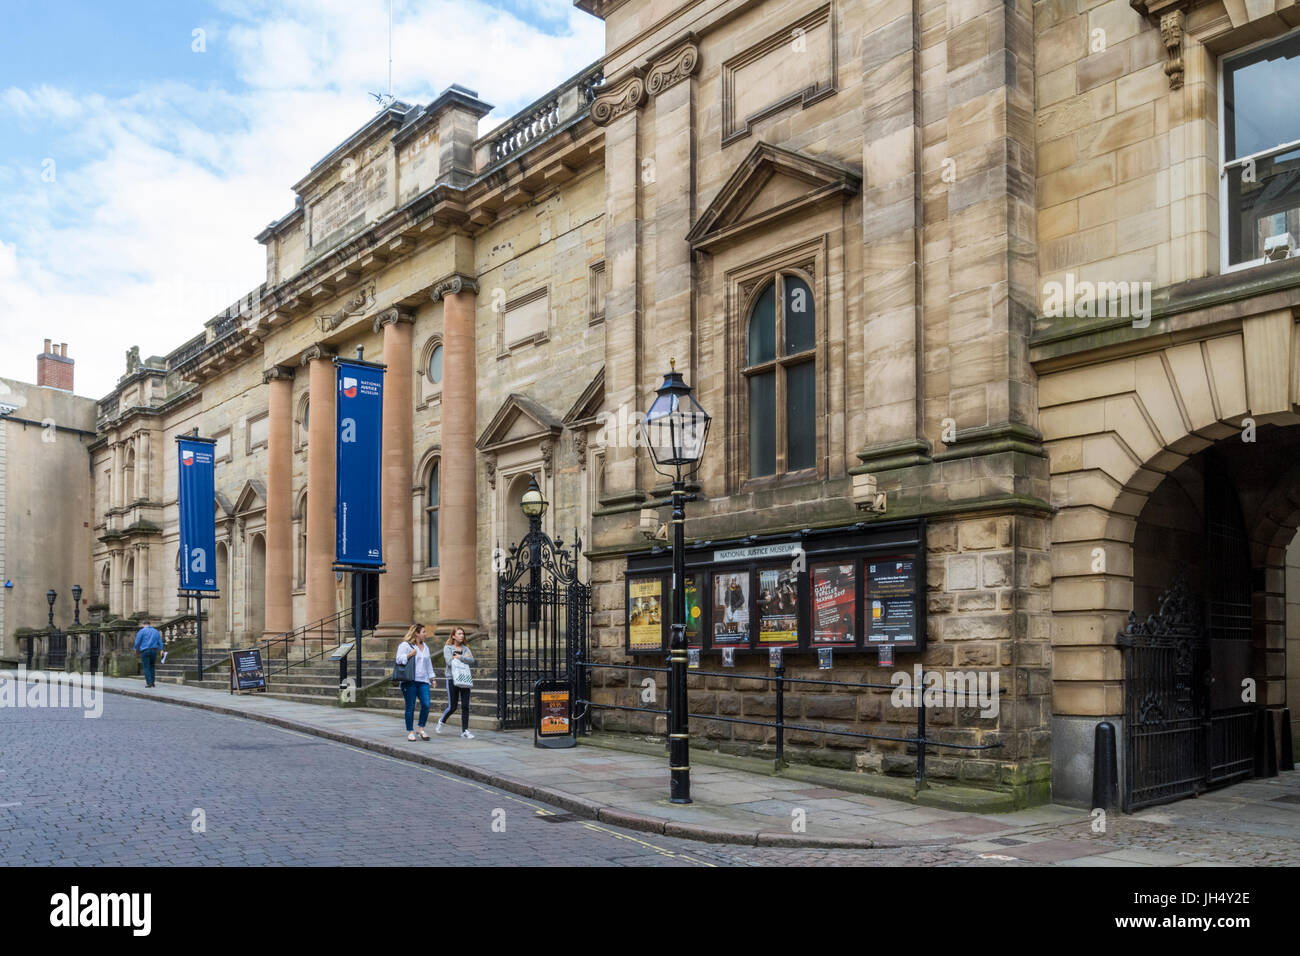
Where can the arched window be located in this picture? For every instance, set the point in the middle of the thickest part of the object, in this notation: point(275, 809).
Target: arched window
point(301, 519)
point(435, 365)
point(432, 494)
point(781, 376)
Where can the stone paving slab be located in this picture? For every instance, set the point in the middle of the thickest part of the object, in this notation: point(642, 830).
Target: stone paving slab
point(1244, 825)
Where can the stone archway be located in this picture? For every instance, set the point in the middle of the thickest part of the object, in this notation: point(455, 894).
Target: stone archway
point(1114, 431)
point(255, 588)
point(218, 624)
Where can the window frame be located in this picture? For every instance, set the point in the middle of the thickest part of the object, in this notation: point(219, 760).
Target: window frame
point(1223, 181)
point(434, 467)
point(780, 364)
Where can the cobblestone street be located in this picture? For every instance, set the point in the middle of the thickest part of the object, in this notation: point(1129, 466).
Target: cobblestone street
point(131, 787)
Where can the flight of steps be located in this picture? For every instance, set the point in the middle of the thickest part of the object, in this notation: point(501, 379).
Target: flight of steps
point(317, 682)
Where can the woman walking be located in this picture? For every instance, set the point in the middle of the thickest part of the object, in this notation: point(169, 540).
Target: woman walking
point(416, 671)
point(459, 659)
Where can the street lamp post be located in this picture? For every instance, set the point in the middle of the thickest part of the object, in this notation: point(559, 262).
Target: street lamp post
point(675, 429)
point(76, 605)
point(533, 504)
point(51, 596)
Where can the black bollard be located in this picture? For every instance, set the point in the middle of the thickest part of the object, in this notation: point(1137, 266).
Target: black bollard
point(1105, 768)
point(1287, 761)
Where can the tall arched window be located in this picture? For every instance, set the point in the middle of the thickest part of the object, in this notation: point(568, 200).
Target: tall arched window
point(432, 493)
point(301, 519)
point(781, 376)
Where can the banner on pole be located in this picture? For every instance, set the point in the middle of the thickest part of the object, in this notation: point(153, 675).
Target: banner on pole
point(196, 491)
point(360, 444)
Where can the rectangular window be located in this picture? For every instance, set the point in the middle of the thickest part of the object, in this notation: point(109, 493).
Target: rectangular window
point(801, 415)
point(1261, 154)
point(597, 288)
point(258, 430)
point(762, 424)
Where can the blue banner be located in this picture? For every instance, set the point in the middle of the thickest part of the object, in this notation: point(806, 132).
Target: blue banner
point(197, 497)
point(360, 445)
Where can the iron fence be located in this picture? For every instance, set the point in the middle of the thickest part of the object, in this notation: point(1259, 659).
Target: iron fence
point(919, 740)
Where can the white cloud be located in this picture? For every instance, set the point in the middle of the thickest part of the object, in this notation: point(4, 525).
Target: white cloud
point(147, 229)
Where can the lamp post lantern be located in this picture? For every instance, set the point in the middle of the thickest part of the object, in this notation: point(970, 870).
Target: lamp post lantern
point(533, 504)
point(51, 596)
point(76, 605)
point(675, 430)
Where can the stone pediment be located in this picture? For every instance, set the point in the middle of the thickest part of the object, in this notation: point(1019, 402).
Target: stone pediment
point(769, 185)
point(519, 420)
point(589, 404)
point(222, 507)
point(252, 497)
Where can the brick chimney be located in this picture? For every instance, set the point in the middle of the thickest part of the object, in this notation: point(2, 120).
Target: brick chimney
point(53, 367)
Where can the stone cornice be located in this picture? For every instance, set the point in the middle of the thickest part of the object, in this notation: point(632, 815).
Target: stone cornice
point(618, 97)
point(455, 283)
point(391, 316)
point(317, 351)
point(277, 373)
point(670, 70)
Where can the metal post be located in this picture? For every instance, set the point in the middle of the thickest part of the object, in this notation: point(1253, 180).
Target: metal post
point(920, 733)
point(198, 631)
point(780, 713)
point(356, 621)
point(679, 756)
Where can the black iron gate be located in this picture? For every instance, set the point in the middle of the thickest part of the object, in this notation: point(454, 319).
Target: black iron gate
point(56, 651)
point(543, 612)
point(1229, 644)
point(1164, 717)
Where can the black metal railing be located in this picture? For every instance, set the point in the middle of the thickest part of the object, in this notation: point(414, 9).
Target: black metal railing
point(311, 641)
point(919, 740)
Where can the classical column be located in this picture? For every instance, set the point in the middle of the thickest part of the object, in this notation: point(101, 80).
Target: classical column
point(279, 502)
point(142, 469)
point(395, 594)
point(115, 478)
point(320, 484)
point(457, 516)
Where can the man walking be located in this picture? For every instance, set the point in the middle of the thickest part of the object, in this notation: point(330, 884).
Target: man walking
point(148, 642)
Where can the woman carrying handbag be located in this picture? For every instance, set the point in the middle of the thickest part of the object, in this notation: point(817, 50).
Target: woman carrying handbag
point(414, 671)
point(460, 679)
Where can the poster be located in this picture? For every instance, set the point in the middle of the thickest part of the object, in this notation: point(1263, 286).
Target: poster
point(891, 601)
point(195, 493)
point(694, 613)
point(553, 714)
point(645, 614)
point(731, 608)
point(778, 607)
point(833, 595)
point(246, 672)
point(357, 483)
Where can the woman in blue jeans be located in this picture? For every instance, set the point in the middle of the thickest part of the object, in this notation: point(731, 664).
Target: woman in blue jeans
point(414, 644)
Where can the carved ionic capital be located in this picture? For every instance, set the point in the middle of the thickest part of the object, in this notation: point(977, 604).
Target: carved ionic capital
point(1172, 25)
point(672, 69)
point(618, 98)
point(391, 316)
point(453, 284)
point(314, 352)
point(277, 373)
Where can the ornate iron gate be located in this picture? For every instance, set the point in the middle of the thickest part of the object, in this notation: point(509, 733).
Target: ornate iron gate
point(543, 613)
point(1164, 716)
point(56, 652)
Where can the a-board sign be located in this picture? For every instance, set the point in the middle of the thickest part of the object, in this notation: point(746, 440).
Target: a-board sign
point(246, 673)
point(553, 724)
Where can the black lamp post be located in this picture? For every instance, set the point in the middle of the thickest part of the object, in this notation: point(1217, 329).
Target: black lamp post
point(51, 595)
point(76, 605)
point(675, 429)
point(533, 504)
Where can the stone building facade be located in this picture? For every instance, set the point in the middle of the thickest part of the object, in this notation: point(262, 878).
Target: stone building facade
point(872, 236)
point(45, 536)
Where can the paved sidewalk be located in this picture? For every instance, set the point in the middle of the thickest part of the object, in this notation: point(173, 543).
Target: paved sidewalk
point(1253, 823)
point(630, 789)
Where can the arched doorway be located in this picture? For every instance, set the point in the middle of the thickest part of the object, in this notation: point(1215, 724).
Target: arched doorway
point(255, 589)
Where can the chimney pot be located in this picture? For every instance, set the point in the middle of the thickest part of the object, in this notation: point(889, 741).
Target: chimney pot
point(47, 347)
point(63, 349)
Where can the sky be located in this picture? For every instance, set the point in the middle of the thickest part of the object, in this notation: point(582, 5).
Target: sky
point(144, 143)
